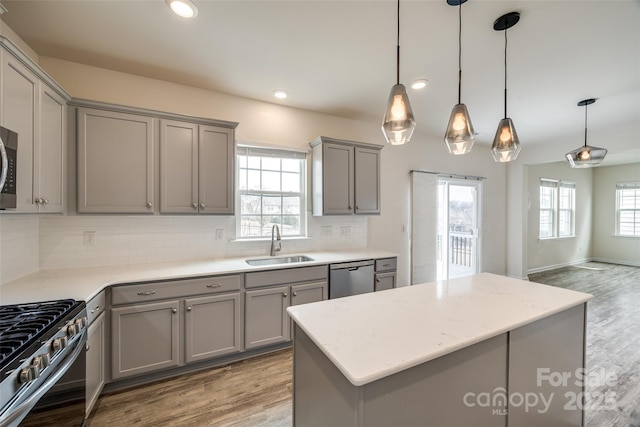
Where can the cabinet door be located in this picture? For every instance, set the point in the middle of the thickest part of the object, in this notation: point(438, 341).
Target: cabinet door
point(265, 316)
point(338, 176)
point(144, 338)
point(212, 326)
point(50, 153)
point(115, 162)
point(216, 171)
point(367, 181)
point(95, 361)
point(178, 167)
point(308, 292)
point(19, 113)
point(384, 281)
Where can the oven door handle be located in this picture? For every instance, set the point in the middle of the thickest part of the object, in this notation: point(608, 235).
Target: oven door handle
point(14, 415)
point(5, 165)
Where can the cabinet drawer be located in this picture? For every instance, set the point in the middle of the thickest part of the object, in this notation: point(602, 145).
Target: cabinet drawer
point(287, 275)
point(386, 264)
point(174, 289)
point(95, 306)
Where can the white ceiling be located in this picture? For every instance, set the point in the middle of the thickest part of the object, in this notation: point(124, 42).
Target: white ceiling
point(338, 57)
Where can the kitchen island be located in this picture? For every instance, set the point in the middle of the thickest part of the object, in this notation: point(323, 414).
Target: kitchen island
point(483, 350)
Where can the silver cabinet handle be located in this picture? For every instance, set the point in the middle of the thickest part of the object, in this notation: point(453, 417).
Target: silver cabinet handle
point(188, 308)
point(149, 204)
point(295, 294)
point(174, 310)
point(194, 206)
point(214, 286)
point(39, 201)
point(96, 309)
point(45, 201)
point(349, 207)
point(202, 205)
point(377, 280)
point(284, 294)
point(147, 293)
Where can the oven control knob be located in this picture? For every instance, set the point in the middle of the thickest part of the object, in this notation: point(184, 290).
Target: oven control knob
point(81, 323)
point(59, 343)
point(42, 361)
point(28, 373)
point(72, 329)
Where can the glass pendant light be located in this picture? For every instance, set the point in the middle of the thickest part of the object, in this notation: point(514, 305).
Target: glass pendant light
point(398, 123)
point(506, 144)
point(459, 136)
point(586, 156)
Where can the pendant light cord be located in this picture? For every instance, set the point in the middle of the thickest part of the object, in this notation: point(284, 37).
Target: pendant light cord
point(398, 53)
point(585, 124)
point(505, 73)
point(459, 49)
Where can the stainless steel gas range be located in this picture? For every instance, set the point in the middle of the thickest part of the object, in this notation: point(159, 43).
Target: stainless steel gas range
point(42, 363)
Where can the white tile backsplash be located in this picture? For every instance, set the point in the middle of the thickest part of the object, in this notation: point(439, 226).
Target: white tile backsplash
point(123, 240)
point(19, 245)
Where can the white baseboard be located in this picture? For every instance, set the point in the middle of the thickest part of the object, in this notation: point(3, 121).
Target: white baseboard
point(555, 266)
point(616, 261)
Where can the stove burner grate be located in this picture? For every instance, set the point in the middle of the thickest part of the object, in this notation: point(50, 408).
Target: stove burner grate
point(21, 324)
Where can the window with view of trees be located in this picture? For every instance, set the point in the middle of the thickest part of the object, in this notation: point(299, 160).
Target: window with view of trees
point(557, 208)
point(271, 191)
point(628, 209)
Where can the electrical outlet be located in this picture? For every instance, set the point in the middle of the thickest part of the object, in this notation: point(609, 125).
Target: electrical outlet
point(89, 238)
point(327, 230)
point(219, 234)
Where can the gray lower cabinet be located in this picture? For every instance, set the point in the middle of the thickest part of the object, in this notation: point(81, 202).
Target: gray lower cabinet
point(95, 361)
point(385, 274)
point(212, 326)
point(266, 319)
point(144, 338)
point(160, 325)
point(196, 168)
point(115, 162)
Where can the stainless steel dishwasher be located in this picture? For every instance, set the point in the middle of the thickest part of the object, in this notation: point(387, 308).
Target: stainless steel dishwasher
point(350, 278)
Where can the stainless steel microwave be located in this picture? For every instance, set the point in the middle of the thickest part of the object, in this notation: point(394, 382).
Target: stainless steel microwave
point(8, 168)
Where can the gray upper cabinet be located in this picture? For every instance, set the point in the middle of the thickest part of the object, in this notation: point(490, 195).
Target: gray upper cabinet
point(37, 112)
point(196, 168)
point(345, 177)
point(115, 162)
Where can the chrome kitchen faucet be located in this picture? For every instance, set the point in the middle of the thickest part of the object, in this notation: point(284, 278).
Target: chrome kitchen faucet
point(275, 249)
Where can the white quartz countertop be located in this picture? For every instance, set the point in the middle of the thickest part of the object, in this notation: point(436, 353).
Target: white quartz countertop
point(371, 336)
point(85, 283)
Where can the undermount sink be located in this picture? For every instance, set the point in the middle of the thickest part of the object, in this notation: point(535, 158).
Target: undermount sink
point(279, 260)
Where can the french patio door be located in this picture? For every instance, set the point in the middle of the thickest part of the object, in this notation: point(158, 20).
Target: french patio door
point(458, 236)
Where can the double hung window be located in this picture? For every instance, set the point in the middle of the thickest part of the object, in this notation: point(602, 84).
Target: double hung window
point(557, 208)
point(628, 209)
point(271, 191)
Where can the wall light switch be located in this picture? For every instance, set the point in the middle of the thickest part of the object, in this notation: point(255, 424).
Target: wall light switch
point(89, 238)
point(219, 234)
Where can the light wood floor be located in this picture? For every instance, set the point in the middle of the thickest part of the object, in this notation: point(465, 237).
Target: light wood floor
point(258, 392)
point(253, 392)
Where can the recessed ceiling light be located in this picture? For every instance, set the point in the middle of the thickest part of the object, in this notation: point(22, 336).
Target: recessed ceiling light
point(183, 8)
point(280, 94)
point(419, 84)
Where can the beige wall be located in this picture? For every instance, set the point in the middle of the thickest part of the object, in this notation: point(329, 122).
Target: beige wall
point(550, 253)
point(607, 246)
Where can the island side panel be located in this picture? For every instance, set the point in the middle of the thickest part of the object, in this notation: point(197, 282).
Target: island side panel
point(451, 390)
point(545, 360)
point(322, 396)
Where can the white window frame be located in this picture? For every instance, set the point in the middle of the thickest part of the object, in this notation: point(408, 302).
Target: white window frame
point(557, 209)
point(631, 188)
point(264, 152)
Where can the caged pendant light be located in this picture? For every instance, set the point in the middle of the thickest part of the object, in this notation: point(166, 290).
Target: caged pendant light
point(398, 123)
point(506, 144)
point(459, 135)
point(585, 156)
